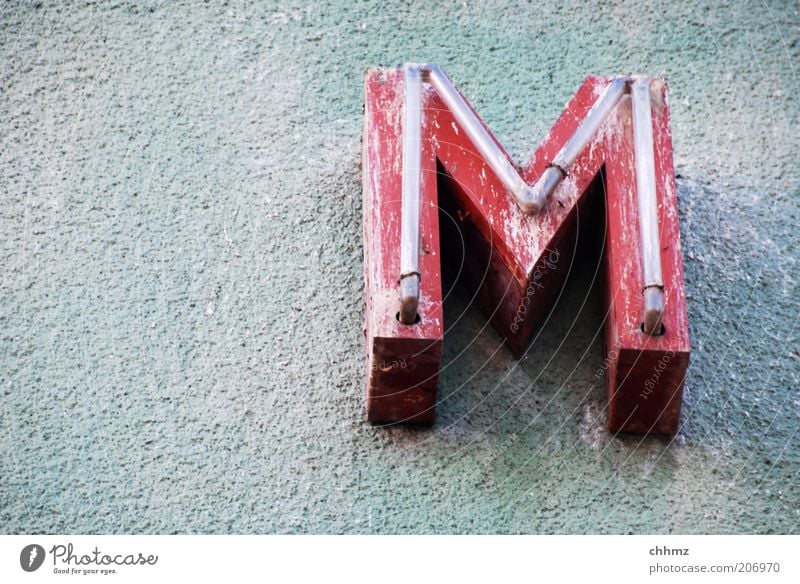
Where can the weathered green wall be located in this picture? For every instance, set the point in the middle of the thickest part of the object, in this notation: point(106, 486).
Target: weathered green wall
point(181, 343)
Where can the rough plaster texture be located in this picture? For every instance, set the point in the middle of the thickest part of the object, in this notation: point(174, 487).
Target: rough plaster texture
point(181, 344)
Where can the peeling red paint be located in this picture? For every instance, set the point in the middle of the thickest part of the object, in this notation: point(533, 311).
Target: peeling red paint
point(403, 361)
point(512, 259)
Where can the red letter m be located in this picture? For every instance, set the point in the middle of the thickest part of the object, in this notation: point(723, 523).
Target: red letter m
point(607, 160)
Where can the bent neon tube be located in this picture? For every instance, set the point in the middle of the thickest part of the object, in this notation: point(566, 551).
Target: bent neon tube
point(530, 198)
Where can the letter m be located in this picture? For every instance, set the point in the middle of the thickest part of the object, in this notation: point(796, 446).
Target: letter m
point(452, 194)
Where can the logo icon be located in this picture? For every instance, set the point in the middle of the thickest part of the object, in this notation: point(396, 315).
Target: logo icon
point(31, 557)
